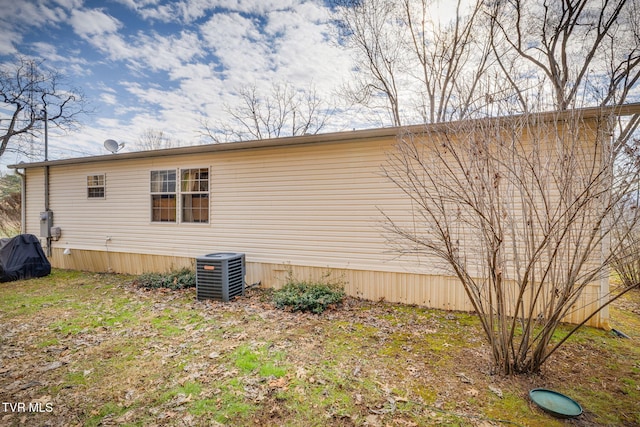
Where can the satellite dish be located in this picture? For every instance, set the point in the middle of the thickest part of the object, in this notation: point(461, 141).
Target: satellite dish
point(113, 146)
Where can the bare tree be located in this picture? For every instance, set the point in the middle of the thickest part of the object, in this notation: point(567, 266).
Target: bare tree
point(368, 27)
point(521, 210)
point(27, 89)
point(452, 57)
point(410, 58)
point(284, 111)
point(626, 262)
point(10, 205)
point(588, 51)
point(153, 139)
point(512, 55)
point(570, 53)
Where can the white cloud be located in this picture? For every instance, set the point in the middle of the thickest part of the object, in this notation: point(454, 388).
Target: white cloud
point(189, 11)
point(109, 98)
point(228, 30)
point(258, 6)
point(8, 42)
point(166, 53)
point(284, 45)
point(113, 45)
point(93, 22)
point(70, 4)
point(238, 45)
point(175, 11)
point(149, 52)
point(195, 71)
point(145, 77)
point(304, 51)
point(19, 16)
point(33, 13)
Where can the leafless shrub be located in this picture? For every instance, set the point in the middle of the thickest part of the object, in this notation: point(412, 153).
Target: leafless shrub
point(522, 211)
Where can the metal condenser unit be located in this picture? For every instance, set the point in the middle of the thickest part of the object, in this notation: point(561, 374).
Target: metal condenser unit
point(220, 276)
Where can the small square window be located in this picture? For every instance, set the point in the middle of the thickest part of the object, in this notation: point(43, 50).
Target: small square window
point(96, 186)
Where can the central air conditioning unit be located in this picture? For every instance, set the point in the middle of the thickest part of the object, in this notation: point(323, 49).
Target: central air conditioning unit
point(220, 276)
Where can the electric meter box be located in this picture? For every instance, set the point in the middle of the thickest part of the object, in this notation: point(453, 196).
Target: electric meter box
point(46, 222)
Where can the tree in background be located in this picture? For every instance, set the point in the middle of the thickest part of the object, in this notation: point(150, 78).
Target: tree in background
point(27, 89)
point(283, 111)
point(413, 64)
point(586, 52)
point(626, 233)
point(489, 58)
point(153, 139)
point(10, 205)
point(364, 27)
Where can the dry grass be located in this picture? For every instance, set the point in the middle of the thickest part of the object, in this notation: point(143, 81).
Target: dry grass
point(89, 349)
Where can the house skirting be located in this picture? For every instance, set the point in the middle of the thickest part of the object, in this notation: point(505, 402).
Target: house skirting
point(433, 291)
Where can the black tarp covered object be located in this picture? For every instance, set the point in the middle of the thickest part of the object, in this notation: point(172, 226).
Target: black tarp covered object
point(22, 257)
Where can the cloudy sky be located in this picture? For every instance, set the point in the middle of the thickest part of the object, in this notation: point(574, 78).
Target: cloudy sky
point(162, 64)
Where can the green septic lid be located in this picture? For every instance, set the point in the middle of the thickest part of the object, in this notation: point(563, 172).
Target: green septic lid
point(555, 403)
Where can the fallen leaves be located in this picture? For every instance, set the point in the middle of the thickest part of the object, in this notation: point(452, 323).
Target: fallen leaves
point(464, 378)
point(496, 391)
point(119, 355)
point(472, 392)
point(387, 407)
point(279, 383)
point(53, 365)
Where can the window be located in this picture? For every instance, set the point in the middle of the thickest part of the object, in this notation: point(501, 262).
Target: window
point(190, 198)
point(95, 186)
point(163, 196)
point(194, 189)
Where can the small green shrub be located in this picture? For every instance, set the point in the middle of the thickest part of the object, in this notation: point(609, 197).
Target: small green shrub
point(177, 279)
point(299, 295)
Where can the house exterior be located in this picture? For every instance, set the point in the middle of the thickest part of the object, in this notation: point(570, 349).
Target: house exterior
point(306, 204)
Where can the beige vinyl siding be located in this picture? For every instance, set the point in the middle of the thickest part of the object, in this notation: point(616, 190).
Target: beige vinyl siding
point(310, 208)
point(34, 203)
point(314, 207)
point(305, 205)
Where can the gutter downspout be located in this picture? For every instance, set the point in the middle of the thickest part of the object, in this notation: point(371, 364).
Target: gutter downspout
point(23, 201)
point(46, 178)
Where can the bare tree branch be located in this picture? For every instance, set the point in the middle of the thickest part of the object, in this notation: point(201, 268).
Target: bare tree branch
point(565, 40)
point(153, 139)
point(284, 111)
point(26, 89)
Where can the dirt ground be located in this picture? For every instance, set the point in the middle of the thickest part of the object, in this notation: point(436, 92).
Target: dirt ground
point(101, 351)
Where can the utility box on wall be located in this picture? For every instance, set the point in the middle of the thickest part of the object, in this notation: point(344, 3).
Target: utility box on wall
point(220, 276)
point(46, 222)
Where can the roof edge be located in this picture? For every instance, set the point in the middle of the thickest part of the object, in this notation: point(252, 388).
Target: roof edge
point(322, 138)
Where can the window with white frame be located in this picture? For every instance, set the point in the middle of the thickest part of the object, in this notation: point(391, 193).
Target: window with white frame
point(194, 192)
point(96, 186)
point(163, 195)
point(190, 198)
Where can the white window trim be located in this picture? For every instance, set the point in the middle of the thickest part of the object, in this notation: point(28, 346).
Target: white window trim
point(178, 197)
point(187, 192)
point(160, 193)
point(103, 186)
